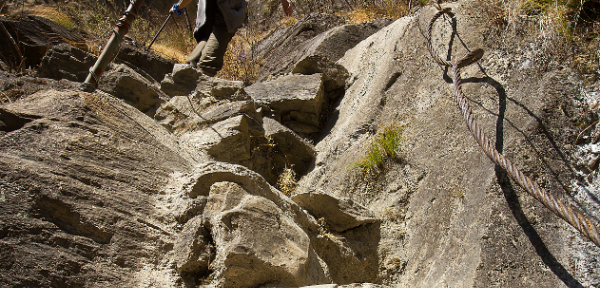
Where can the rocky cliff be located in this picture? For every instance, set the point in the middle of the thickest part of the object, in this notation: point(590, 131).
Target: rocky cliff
point(165, 177)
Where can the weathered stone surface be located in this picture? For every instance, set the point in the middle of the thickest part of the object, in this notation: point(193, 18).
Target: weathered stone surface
point(123, 82)
point(293, 93)
point(357, 285)
point(95, 193)
point(182, 81)
point(283, 50)
point(228, 110)
point(301, 128)
point(459, 222)
point(347, 257)
point(227, 141)
point(78, 184)
point(257, 242)
point(285, 41)
point(189, 113)
point(13, 88)
point(290, 150)
point(340, 214)
point(10, 121)
point(335, 75)
point(193, 251)
point(182, 109)
point(303, 117)
point(290, 93)
point(34, 35)
point(135, 55)
point(222, 89)
point(64, 61)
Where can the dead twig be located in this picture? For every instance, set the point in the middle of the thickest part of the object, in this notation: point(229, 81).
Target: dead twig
point(4, 95)
point(586, 129)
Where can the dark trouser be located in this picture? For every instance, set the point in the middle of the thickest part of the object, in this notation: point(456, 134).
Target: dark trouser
point(212, 39)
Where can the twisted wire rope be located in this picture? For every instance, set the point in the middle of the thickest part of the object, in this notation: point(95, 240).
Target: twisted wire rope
point(569, 213)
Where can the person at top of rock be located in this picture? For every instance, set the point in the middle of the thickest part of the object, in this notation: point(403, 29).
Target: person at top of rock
point(216, 23)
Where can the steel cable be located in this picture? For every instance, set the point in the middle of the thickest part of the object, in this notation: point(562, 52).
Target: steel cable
point(569, 213)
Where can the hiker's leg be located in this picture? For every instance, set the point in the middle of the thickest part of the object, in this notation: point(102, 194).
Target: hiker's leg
point(202, 34)
point(213, 52)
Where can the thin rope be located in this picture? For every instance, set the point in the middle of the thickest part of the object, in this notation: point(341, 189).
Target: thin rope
point(571, 214)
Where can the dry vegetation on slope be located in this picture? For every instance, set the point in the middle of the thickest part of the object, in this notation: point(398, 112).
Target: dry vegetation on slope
point(570, 27)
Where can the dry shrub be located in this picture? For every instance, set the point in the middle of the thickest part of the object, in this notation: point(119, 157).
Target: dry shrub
point(98, 20)
point(393, 9)
point(357, 16)
point(287, 181)
point(569, 29)
point(241, 62)
point(371, 10)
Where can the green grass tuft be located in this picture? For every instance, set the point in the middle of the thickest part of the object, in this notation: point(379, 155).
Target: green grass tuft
point(383, 148)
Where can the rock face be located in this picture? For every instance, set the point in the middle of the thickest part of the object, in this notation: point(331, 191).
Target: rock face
point(227, 140)
point(182, 81)
point(125, 201)
point(135, 55)
point(133, 88)
point(335, 76)
point(34, 35)
point(459, 221)
point(78, 182)
point(314, 35)
point(64, 61)
point(296, 100)
point(293, 151)
point(260, 236)
point(192, 250)
point(220, 118)
point(258, 243)
point(342, 215)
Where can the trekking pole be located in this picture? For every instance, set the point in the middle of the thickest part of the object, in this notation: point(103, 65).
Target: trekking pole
point(159, 30)
point(187, 19)
point(111, 49)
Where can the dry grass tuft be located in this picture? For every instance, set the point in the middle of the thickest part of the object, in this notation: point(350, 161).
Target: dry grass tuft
point(287, 181)
point(170, 52)
point(289, 21)
point(53, 14)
